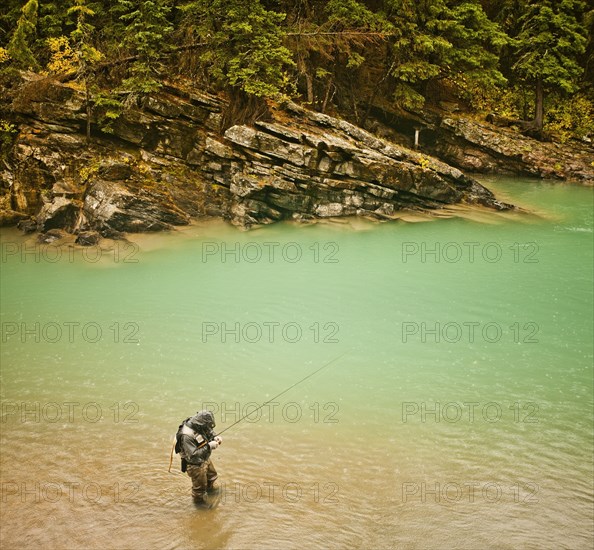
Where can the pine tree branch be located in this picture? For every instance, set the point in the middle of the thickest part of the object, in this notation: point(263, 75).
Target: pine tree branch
point(342, 33)
point(130, 58)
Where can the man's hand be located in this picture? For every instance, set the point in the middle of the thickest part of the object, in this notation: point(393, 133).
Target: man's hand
point(218, 439)
point(213, 444)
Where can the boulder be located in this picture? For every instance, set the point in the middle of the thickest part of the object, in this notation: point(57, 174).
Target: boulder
point(27, 225)
point(61, 213)
point(112, 205)
point(51, 236)
point(88, 238)
point(10, 217)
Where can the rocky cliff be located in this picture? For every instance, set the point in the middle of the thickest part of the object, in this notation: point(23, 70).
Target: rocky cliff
point(166, 163)
point(482, 147)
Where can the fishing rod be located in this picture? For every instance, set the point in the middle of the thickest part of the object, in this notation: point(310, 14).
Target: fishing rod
point(326, 365)
point(283, 392)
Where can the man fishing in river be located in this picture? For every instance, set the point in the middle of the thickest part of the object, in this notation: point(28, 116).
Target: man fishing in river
point(195, 440)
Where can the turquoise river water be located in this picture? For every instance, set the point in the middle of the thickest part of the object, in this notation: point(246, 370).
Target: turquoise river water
point(454, 409)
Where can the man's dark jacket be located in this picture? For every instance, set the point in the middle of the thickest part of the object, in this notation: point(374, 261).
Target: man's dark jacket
point(188, 445)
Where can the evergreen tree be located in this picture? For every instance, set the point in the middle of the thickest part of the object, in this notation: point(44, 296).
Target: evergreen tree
point(19, 46)
point(146, 35)
point(9, 16)
point(442, 39)
point(472, 63)
point(52, 18)
point(87, 56)
point(551, 39)
point(588, 62)
point(243, 45)
point(360, 63)
point(243, 53)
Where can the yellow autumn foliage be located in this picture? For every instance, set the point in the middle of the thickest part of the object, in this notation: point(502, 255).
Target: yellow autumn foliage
point(64, 59)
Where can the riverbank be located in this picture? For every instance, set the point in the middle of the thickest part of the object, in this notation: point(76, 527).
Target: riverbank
point(166, 165)
point(57, 245)
point(476, 146)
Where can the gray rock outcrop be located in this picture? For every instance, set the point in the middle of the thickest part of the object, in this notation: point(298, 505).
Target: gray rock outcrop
point(166, 164)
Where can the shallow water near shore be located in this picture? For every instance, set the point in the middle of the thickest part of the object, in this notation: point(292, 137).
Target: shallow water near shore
point(454, 409)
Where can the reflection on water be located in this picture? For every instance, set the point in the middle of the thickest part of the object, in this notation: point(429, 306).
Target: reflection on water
point(459, 416)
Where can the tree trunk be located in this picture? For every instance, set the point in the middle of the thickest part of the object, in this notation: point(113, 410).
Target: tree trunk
point(365, 116)
point(310, 90)
point(309, 81)
point(539, 108)
point(534, 127)
point(88, 108)
point(327, 95)
point(353, 99)
point(376, 90)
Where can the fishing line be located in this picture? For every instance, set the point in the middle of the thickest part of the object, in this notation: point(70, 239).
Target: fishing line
point(283, 392)
point(326, 365)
